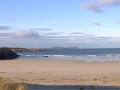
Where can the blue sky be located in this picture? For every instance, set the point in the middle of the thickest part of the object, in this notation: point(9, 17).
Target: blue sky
point(66, 23)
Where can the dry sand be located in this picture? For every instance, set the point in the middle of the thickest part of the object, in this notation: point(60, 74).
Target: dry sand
point(61, 72)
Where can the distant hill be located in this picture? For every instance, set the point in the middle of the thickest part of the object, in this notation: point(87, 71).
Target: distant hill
point(25, 49)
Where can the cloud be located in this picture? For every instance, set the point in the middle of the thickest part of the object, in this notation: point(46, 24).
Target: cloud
point(96, 24)
point(110, 2)
point(118, 22)
point(26, 34)
point(51, 33)
point(76, 33)
point(73, 39)
point(40, 29)
point(99, 5)
point(5, 27)
point(30, 29)
point(92, 6)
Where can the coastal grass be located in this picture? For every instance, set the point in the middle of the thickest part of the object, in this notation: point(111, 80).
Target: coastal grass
point(6, 84)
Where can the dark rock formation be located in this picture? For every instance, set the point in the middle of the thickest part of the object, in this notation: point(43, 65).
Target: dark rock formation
point(6, 53)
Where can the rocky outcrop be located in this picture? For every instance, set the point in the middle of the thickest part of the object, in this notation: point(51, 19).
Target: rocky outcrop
point(6, 53)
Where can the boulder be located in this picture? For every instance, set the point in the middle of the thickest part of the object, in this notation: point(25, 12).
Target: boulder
point(6, 53)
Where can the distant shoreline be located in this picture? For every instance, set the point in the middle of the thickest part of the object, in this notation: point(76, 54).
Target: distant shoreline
point(21, 49)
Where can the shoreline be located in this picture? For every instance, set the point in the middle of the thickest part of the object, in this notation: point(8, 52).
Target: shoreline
point(86, 60)
point(61, 72)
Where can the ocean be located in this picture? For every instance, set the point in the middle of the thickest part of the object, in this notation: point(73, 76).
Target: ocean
point(87, 55)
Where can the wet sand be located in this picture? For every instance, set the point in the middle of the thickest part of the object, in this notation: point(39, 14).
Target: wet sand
point(61, 72)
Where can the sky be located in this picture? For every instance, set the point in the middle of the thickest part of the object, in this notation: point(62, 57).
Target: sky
point(60, 23)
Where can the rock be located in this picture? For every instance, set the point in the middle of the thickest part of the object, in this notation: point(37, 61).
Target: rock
point(46, 56)
point(6, 53)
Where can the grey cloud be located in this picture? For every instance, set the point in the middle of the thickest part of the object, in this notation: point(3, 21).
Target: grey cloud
point(92, 6)
point(51, 33)
point(6, 35)
point(99, 5)
point(96, 24)
point(56, 37)
point(5, 27)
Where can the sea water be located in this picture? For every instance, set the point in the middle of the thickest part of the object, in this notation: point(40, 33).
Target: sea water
point(87, 55)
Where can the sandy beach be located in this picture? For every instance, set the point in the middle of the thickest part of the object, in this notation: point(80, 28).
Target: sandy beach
point(61, 72)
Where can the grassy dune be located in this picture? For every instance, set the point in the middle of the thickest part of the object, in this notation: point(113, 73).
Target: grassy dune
point(6, 84)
